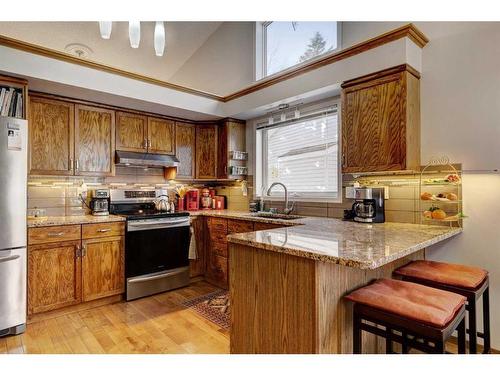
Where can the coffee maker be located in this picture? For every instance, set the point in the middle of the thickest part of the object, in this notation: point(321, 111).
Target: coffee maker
point(368, 206)
point(99, 203)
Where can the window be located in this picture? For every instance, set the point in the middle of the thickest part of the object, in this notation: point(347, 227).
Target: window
point(301, 153)
point(285, 44)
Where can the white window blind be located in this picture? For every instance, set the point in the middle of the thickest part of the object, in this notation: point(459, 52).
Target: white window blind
point(302, 154)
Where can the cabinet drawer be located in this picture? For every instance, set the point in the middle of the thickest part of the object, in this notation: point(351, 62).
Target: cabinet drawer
point(219, 248)
point(54, 234)
point(216, 236)
point(217, 224)
point(239, 226)
point(264, 226)
point(103, 230)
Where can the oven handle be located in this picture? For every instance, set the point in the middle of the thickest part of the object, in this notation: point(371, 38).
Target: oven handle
point(133, 227)
point(156, 277)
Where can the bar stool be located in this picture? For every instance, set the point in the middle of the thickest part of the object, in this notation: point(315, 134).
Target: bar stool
point(414, 315)
point(470, 282)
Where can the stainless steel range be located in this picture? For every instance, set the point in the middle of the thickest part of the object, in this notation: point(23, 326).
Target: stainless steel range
point(156, 243)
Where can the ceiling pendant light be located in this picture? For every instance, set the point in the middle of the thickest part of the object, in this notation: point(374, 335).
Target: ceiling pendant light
point(105, 29)
point(134, 33)
point(159, 38)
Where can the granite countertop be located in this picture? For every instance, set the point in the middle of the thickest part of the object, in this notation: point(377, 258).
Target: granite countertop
point(49, 221)
point(365, 246)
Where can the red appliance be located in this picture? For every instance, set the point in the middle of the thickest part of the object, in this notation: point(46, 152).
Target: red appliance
point(192, 200)
point(219, 202)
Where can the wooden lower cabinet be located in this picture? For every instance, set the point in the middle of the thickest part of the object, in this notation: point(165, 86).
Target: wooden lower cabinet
point(65, 273)
point(54, 276)
point(197, 266)
point(218, 270)
point(103, 267)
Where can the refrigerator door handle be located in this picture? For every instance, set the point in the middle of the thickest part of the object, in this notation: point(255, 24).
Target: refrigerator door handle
point(9, 258)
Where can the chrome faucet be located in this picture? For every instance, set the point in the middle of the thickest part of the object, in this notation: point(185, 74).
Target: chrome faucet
point(287, 209)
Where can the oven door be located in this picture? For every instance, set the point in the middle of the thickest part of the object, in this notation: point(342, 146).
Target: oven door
point(156, 245)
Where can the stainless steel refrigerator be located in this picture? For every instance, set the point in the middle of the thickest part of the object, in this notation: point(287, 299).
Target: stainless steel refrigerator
point(13, 232)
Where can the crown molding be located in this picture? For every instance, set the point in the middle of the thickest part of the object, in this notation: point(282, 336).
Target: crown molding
point(410, 31)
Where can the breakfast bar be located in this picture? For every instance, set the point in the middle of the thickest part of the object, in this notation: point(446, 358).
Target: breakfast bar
point(287, 284)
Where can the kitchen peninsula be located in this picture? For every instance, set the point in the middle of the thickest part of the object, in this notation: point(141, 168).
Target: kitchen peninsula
point(287, 283)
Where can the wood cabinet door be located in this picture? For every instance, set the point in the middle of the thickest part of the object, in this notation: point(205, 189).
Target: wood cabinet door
point(131, 132)
point(103, 267)
point(54, 276)
point(232, 137)
point(373, 126)
point(206, 151)
point(197, 266)
point(94, 141)
point(185, 149)
point(161, 138)
point(51, 126)
point(218, 270)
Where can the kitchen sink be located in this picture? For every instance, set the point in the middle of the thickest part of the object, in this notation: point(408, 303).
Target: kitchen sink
point(270, 215)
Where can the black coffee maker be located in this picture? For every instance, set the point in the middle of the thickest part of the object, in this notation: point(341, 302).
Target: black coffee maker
point(368, 206)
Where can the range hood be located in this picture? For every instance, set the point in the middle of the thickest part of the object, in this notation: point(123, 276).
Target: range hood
point(139, 159)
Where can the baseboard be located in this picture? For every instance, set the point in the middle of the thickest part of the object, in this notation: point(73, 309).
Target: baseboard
point(75, 308)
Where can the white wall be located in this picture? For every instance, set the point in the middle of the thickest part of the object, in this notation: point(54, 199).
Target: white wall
point(224, 63)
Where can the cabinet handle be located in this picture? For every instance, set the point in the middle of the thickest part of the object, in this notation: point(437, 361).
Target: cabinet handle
point(149, 143)
point(225, 169)
point(343, 160)
point(103, 230)
point(84, 250)
point(71, 164)
point(145, 143)
point(53, 234)
point(77, 251)
point(77, 165)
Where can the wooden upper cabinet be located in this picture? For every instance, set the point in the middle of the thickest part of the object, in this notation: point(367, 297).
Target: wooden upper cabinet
point(185, 146)
point(161, 138)
point(131, 132)
point(232, 137)
point(103, 267)
point(51, 126)
point(94, 141)
point(54, 276)
point(381, 121)
point(206, 151)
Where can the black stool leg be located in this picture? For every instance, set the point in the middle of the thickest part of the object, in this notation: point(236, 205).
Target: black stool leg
point(486, 320)
point(461, 337)
point(388, 343)
point(439, 348)
point(404, 345)
point(356, 334)
point(471, 308)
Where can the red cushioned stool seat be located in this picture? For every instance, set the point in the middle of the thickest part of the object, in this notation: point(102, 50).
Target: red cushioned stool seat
point(471, 282)
point(412, 314)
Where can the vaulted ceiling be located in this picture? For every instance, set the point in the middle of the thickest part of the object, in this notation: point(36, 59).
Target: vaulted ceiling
point(182, 40)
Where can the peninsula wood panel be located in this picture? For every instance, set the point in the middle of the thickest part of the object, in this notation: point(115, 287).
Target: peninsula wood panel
point(206, 151)
point(94, 141)
point(161, 136)
point(54, 276)
point(131, 132)
point(51, 127)
point(272, 302)
point(185, 150)
point(103, 267)
point(287, 304)
point(381, 122)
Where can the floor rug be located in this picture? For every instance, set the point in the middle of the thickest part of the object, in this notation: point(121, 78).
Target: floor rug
point(214, 307)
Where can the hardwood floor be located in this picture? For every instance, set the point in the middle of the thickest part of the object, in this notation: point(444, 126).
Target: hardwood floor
point(157, 324)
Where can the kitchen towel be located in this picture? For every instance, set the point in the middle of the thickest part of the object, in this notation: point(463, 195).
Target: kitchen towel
point(192, 245)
